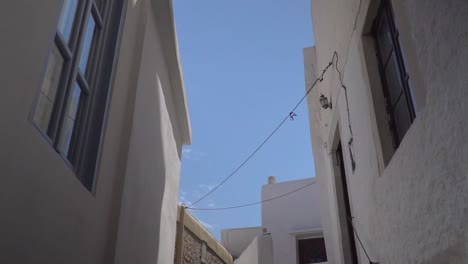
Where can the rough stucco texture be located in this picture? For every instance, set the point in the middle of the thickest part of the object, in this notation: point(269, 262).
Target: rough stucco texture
point(421, 199)
point(415, 209)
point(193, 251)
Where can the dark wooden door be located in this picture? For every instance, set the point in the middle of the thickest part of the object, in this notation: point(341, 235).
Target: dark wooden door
point(347, 208)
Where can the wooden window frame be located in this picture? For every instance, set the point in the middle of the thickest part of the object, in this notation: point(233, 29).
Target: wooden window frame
point(95, 84)
point(386, 9)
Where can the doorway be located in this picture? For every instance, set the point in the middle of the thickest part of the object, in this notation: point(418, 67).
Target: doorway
point(344, 209)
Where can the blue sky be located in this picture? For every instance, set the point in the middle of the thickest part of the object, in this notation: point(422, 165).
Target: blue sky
point(243, 69)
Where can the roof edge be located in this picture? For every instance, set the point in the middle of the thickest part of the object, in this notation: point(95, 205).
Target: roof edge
point(164, 14)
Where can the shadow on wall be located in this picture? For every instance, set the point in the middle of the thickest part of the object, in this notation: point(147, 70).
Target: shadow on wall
point(260, 251)
point(141, 220)
point(455, 253)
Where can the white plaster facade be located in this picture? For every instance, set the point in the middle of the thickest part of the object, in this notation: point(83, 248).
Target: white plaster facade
point(47, 215)
point(409, 206)
point(259, 251)
point(287, 219)
point(291, 217)
point(236, 240)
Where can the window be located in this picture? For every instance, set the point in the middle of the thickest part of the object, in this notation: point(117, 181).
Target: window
point(312, 250)
point(395, 80)
point(71, 102)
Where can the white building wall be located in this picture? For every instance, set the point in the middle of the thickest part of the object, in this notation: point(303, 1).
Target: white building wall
point(291, 216)
point(413, 210)
point(47, 215)
point(328, 223)
point(236, 240)
point(259, 251)
point(149, 202)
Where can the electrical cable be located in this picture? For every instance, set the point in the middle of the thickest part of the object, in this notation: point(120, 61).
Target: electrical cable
point(251, 204)
point(350, 142)
point(360, 242)
point(346, 95)
point(290, 116)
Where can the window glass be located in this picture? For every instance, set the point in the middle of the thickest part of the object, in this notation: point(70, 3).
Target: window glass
point(49, 89)
point(413, 100)
point(88, 40)
point(312, 251)
point(402, 117)
point(398, 94)
point(69, 120)
point(62, 107)
point(394, 80)
point(384, 38)
point(43, 112)
point(67, 16)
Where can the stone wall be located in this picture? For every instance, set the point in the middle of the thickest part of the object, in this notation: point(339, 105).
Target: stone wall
point(194, 253)
point(199, 246)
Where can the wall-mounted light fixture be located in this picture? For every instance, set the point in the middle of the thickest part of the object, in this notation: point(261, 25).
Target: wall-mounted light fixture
point(324, 102)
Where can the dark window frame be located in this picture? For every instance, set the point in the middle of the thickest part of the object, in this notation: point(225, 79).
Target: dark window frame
point(300, 253)
point(386, 10)
point(94, 83)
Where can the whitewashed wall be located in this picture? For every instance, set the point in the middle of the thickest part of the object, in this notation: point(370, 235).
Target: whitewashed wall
point(291, 216)
point(414, 210)
point(148, 215)
point(259, 251)
point(236, 240)
point(47, 215)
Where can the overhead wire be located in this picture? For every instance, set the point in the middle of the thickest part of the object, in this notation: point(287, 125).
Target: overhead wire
point(290, 116)
point(251, 204)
